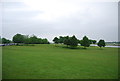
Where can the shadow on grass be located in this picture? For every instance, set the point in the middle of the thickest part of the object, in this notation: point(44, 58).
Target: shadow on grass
point(68, 47)
point(25, 45)
point(78, 47)
point(101, 49)
point(97, 48)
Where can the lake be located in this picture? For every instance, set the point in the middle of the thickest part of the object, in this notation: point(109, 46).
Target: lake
point(90, 45)
point(107, 46)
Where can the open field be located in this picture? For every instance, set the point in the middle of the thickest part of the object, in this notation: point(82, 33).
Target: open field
point(56, 62)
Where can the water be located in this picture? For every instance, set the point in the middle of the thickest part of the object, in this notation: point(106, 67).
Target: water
point(90, 45)
point(107, 46)
point(1, 44)
point(113, 46)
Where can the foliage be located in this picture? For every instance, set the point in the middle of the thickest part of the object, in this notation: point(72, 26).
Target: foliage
point(69, 41)
point(18, 38)
point(56, 40)
point(61, 39)
point(85, 42)
point(92, 41)
point(73, 41)
point(5, 41)
point(101, 43)
point(66, 40)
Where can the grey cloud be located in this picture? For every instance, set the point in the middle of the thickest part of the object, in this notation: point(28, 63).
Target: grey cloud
point(9, 5)
point(97, 22)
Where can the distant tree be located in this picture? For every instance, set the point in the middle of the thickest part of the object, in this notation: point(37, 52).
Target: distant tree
point(33, 39)
point(79, 41)
point(94, 41)
point(45, 41)
point(18, 38)
point(66, 40)
point(5, 41)
point(91, 41)
point(26, 39)
point(101, 43)
point(40, 41)
point(56, 40)
point(85, 42)
point(73, 41)
point(61, 39)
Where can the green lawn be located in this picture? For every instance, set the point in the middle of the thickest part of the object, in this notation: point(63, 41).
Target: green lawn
point(57, 62)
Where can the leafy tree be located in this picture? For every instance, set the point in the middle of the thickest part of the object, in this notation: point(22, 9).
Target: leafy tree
point(45, 41)
point(5, 41)
point(33, 40)
point(18, 38)
point(79, 41)
point(66, 40)
point(94, 41)
point(91, 42)
point(101, 43)
point(61, 39)
point(85, 42)
point(26, 39)
point(56, 40)
point(40, 41)
point(73, 41)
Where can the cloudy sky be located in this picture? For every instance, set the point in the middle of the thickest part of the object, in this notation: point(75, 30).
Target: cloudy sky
point(49, 18)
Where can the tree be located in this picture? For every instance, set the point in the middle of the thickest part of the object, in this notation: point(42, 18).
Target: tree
point(45, 41)
point(5, 41)
point(91, 41)
point(73, 41)
point(61, 39)
point(66, 40)
point(101, 43)
point(94, 41)
point(33, 40)
point(18, 38)
point(85, 42)
point(56, 40)
point(26, 39)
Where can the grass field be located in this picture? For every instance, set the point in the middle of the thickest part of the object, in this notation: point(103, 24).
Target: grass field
point(56, 62)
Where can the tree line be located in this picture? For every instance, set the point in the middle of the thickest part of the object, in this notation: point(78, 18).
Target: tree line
point(18, 38)
point(73, 42)
point(25, 39)
point(5, 41)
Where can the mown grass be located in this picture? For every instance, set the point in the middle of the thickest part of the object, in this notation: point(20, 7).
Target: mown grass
point(57, 62)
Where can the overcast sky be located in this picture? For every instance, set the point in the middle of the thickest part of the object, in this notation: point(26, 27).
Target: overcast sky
point(50, 18)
